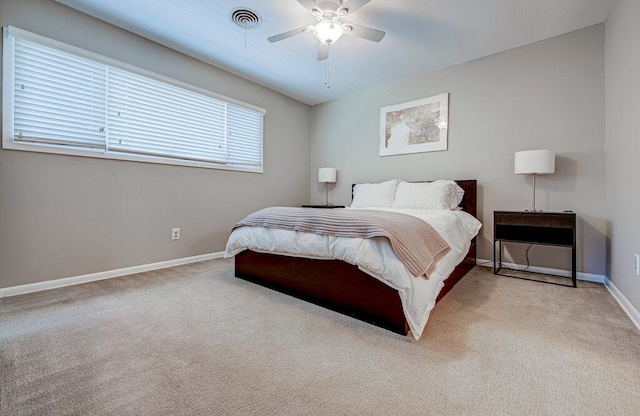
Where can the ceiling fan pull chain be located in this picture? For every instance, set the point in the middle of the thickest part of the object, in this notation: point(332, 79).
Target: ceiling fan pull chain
point(326, 74)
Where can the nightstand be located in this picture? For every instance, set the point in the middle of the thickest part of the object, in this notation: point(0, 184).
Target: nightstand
point(547, 228)
point(323, 206)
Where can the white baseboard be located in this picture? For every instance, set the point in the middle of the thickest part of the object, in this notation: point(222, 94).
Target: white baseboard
point(52, 284)
point(624, 302)
point(587, 277)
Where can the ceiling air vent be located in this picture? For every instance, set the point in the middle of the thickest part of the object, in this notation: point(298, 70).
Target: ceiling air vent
point(245, 18)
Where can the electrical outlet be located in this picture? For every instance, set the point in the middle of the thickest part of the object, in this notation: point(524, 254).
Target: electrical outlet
point(636, 264)
point(175, 233)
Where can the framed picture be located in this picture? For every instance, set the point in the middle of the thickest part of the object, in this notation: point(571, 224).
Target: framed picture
point(414, 127)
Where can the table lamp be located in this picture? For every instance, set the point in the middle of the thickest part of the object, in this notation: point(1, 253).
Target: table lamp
point(327, 176)
point(535, 162)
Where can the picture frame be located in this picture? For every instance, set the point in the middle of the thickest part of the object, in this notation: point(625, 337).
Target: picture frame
point(415, 126)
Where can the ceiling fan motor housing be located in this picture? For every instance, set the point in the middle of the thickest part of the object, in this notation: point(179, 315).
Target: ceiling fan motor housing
point(327, 8)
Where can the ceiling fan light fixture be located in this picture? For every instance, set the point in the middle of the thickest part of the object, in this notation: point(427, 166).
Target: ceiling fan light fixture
point(328, 31)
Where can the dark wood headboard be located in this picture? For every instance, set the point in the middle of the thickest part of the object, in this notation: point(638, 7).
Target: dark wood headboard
point(469, 201)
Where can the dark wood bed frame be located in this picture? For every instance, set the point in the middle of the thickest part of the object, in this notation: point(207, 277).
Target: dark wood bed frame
point(342, 287)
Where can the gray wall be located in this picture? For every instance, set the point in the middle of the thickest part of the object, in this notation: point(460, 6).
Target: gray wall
point(63, 216)
point(623, 145)
point(548, 95)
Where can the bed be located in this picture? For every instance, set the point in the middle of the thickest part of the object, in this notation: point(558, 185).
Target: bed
point(347, 286)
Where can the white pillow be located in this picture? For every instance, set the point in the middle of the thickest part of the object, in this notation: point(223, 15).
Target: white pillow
point(442, 194)
point(459, 196)
point(374, 194)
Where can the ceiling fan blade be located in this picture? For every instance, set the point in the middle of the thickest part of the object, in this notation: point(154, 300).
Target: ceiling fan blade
point(311, 6)
point(350, 6)
point(323, 51)
point(364, 32)
point(290, 33)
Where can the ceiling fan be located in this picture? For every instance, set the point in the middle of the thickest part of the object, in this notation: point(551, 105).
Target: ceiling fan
point(329, 28)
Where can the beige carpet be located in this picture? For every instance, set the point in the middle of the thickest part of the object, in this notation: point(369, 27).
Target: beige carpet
point(193, 340)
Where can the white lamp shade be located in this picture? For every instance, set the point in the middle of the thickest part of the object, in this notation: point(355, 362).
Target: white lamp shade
point(327, 175)
point(535, 161)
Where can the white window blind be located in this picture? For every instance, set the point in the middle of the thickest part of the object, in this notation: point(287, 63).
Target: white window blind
point(59, 98)
point(243, 125)
point(150, 117)
point(65, 100)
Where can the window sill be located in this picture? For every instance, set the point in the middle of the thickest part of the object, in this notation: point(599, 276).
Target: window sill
point(101, 154)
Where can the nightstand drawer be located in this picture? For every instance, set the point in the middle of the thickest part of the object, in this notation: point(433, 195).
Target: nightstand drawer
point(536, 219)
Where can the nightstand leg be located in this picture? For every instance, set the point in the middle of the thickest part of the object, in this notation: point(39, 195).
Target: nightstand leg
point(494, 256)
point(497, 266)
point(573, 266)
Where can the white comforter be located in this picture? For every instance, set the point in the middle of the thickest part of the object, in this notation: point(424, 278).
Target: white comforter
point(374, 256)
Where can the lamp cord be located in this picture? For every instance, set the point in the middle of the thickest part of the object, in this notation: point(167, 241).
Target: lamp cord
point(527, 256)
point(528, 264)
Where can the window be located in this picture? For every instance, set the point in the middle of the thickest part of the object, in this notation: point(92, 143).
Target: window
point(60, 99)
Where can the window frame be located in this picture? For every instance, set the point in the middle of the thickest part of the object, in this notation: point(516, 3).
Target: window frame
point(8, 46)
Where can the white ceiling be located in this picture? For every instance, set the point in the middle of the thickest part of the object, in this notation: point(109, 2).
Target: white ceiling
point(421, 36)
